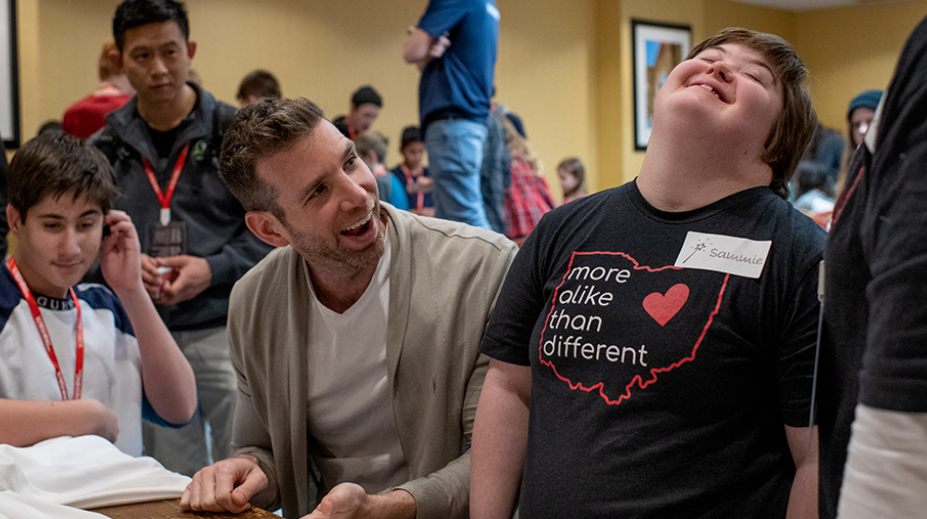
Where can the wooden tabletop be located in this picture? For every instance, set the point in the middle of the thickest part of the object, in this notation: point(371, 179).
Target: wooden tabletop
point(170, 509)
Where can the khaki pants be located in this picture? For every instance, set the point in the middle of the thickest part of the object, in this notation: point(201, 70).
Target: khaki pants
point(188, 449)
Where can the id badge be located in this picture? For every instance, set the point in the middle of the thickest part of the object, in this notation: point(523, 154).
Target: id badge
point(167, 240)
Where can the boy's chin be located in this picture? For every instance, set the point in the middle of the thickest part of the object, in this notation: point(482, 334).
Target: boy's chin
point(70, 276)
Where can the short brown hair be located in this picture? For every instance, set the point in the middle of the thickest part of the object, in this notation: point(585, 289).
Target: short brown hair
point(795, 124)
point(259, 131)
point(105, 68)
point(575, 167)
point(260, 84)
point(55, 164)
point(372, 140)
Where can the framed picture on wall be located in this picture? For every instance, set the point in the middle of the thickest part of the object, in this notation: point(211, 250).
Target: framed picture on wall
point(657, 49)
point(9, 75)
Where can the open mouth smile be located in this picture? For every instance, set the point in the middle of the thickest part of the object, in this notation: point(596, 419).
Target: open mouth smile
point(713, 91)
point(360, 227)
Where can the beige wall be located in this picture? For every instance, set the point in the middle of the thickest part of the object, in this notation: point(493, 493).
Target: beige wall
point(565, 67)
point(615, 80)
point(617, 124)
point(852, 49)
point(545, 74)
point(724, 13)
point(59, 44)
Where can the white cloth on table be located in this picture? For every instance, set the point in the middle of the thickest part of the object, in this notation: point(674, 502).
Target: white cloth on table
point(82, 472)
point(19, 506)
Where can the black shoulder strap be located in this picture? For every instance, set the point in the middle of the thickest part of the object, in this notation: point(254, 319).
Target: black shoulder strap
point(221, 119)
point(108, 143)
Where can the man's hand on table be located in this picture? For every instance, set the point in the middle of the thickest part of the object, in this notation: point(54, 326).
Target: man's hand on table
point(350, 501)
point(227, 485)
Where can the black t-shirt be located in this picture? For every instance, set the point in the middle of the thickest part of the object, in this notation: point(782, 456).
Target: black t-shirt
point(661, 391)
point(163, 141)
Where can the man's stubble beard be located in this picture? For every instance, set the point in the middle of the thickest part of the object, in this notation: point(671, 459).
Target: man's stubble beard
point(323, 257)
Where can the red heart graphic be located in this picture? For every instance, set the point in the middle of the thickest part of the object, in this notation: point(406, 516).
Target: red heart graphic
point(663, 307)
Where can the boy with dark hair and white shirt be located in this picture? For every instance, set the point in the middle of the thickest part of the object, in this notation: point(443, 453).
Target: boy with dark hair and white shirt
point(75, 359)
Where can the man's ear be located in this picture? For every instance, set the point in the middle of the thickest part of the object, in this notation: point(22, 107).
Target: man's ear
point(266, 227)
point(191, 49)
point(12, 218)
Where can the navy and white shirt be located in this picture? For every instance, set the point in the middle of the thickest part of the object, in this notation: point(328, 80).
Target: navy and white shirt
point(112, 362)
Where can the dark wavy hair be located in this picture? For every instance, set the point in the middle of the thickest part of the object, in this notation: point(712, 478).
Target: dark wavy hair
point(260, 84)
point(260, 131)
point(56, 164)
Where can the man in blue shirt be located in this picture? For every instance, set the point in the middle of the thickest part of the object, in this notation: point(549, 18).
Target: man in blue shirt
point(454, 46)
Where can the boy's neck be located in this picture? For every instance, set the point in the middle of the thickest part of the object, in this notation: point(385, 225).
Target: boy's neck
point(686, 170)
point(36, 283)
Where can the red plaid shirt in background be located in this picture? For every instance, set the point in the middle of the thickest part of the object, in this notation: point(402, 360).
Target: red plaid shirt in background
point(526, 200)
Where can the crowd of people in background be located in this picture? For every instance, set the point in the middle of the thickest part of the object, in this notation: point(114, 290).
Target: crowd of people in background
point(512, 203)
point(271, 308)
point(821, 174)
point(510, 209)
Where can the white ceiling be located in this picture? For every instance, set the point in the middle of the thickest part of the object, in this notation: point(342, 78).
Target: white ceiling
point(805, 5)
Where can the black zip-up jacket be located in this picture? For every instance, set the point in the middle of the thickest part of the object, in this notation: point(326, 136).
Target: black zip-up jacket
point(214, 219)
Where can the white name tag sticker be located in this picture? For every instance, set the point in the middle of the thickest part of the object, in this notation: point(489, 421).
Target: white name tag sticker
point(727, 254)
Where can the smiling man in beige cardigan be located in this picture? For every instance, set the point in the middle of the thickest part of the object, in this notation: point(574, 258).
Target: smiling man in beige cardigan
point(355, 342)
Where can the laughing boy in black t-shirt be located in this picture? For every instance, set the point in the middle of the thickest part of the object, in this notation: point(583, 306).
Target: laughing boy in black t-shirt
point(653, 345)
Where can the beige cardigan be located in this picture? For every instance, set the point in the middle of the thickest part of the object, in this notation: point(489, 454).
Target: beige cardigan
point(444, 279)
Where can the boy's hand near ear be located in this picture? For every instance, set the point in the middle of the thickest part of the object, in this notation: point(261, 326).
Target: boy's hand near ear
point(119, 254)
point(166, 375)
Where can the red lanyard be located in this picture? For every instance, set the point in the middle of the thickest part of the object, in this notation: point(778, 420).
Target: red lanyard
point(46, 338)
point(165, 199)
point(420, 202)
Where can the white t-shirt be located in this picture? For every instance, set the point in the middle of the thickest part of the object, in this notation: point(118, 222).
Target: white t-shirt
point(112, 362)
point(349, 402)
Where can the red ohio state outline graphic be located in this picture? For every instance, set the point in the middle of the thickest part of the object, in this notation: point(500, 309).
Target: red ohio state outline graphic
point(637, 379)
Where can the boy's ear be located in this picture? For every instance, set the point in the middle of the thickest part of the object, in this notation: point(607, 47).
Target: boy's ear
point(12, 218)
point(266, 227)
